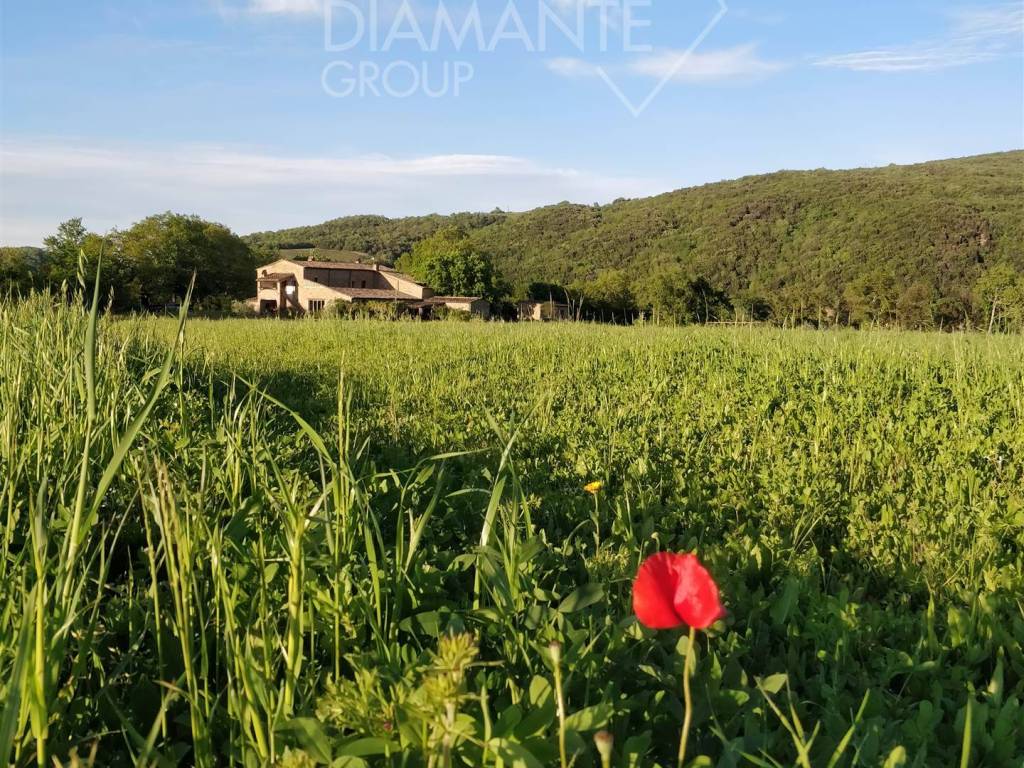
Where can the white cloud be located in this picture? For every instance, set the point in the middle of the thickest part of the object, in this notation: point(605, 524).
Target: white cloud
point(293, 7)
point(976, 35)
point(571, 67)
point(236, 8)
point(997, 21)
point(386, 9)
point(45, 182)
point(737, 63)
point(918, 59)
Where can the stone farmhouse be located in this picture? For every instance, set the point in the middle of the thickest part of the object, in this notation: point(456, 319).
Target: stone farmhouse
point(288, 287)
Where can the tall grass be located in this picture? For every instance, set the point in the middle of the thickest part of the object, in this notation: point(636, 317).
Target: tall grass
point(218, 551)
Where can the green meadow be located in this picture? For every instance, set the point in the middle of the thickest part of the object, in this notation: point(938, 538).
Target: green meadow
point(356, 543)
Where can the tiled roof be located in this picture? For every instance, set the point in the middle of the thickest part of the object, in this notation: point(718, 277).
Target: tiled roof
point(400, 275)
point(435, 301)
point(344, 265)
point(277, 276)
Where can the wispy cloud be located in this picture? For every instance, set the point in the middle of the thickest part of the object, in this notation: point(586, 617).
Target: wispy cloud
point(298, 8)
point(250, 190)
point(217, 165)
point(291, 7)
point(737, 63)
point(976, 35)
point(567, 66)
point(911, 59)
point(984, 24)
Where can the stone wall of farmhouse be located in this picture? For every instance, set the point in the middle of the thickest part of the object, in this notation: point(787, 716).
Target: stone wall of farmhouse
point(348, 278)
point(397, 283)
point(306, 290)
point(310, 291)
point(480, 307)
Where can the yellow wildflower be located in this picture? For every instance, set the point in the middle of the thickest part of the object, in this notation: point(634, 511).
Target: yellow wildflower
point(594, 487)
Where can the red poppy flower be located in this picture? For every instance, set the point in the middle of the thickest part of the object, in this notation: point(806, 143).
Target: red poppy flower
point(671, 590)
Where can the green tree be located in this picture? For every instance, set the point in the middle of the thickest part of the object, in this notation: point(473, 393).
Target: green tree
point(539, 291)
point(72, 253)
point(609, 296)
point(18, 269)
point(153, 262)
point(1000, 293)
point(676, 295)
point(448, 262)
point(870, 298)
point(62, 250)
point(162, 252)
point(916, 306)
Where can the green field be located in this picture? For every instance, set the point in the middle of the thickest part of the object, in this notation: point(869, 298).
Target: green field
point(226, 552)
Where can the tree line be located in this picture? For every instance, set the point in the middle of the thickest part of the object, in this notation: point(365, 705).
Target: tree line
point(680, 296)
point(145, 267)
point(930, 246)
point(151, 264)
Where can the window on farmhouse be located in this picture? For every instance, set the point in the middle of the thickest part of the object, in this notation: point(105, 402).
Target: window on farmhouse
point(317, 306)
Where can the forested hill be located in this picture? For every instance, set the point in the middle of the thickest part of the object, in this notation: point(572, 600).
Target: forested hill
point(880, 243)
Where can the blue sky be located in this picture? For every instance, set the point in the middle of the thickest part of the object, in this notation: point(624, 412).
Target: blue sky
point(115, 109)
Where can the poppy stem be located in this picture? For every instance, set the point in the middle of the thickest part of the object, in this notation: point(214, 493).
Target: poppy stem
point(556, 658)
point(687, 698)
